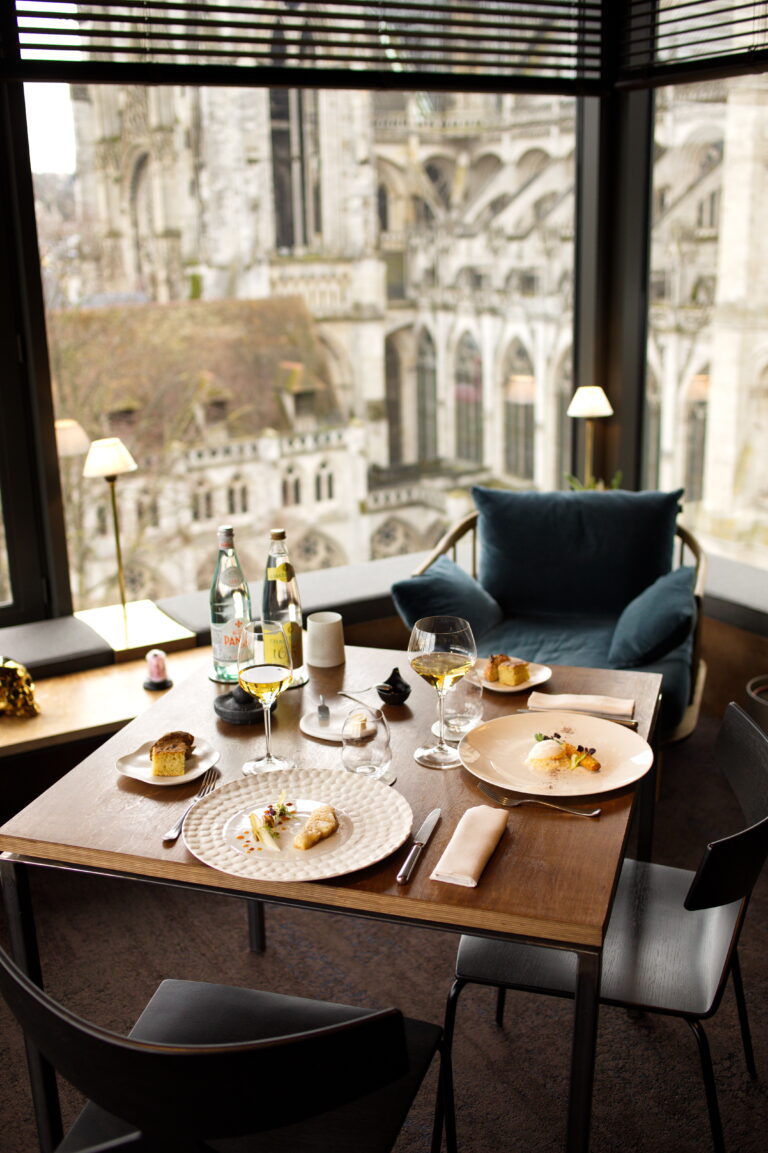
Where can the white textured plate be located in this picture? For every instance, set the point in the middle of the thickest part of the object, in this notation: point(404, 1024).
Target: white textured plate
point(496, 751)
point(539, 674)
point(374, 820)
point(311, 725)
point(138, 764)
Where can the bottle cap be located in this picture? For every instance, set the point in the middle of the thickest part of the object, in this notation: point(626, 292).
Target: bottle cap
point(226, 532)
point(277, 534)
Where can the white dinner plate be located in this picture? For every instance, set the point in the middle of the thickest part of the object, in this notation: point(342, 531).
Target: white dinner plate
point(139, 765)
point(495, 752)
point(539, 674)
point(374, 820)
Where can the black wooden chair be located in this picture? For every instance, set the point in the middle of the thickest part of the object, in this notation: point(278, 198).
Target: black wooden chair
point(242, 1069)
point(671, 942)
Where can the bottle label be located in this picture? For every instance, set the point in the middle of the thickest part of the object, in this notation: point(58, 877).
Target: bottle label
point(275, 645)
point(225, 640)
point(282, 572)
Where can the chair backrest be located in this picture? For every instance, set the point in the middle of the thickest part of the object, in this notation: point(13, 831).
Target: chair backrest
point(729, 867)
point(197, 1091)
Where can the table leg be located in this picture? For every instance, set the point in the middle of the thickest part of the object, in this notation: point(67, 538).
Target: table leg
point(646, 810)
point(257, 931)
point(21, 924)
point(585, 1015)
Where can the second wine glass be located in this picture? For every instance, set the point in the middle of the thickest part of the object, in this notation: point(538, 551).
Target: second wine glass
point(441, 649)
point(264, 671)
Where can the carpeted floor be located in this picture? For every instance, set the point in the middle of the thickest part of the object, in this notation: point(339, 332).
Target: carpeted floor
point(105, 944)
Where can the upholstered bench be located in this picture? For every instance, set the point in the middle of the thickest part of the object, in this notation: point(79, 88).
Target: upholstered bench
point(576, 578)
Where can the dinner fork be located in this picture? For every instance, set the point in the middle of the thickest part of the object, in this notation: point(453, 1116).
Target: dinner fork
point(208, 784)
point(513, 802)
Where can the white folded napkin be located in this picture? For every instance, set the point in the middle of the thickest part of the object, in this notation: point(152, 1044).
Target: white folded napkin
point(583, 702)
point(469, 849)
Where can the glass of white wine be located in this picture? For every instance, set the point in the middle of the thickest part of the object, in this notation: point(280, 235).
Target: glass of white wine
point(441, 650)
point(264, 672)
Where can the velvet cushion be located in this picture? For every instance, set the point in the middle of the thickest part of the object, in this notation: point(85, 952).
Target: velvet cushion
point(656, 621)
point(572, 552)
point(446, 588)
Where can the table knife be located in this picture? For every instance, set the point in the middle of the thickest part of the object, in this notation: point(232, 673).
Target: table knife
point(628, 722)
point(419, 841)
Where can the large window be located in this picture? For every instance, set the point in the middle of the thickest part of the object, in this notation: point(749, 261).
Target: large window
point(706, 426)
point(217, 275)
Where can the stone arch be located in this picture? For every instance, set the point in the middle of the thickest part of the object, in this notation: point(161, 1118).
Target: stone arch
point(315, 550)
point(395, 537)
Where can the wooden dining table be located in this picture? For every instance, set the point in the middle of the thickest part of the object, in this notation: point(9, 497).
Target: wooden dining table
point(550, 881)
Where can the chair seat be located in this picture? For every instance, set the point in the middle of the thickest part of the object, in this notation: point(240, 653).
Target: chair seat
point(657, 956)
point(191, 1012)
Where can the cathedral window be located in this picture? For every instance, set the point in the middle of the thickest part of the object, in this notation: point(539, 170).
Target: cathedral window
point(469, 401)
point(519, 411)
point(426, 398)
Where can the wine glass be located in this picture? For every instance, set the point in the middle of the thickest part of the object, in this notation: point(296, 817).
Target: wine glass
point(441, 650)
point(264, 671)
point(365, 744)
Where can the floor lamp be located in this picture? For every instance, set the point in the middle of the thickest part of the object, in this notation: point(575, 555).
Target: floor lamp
point(589, 403)
point(109, 458)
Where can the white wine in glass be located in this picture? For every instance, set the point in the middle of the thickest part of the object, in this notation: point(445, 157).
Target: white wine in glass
point(441, 650)
point(264, 672)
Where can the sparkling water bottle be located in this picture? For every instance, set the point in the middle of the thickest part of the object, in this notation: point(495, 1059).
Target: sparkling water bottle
point(281, 603)
point(230, 607)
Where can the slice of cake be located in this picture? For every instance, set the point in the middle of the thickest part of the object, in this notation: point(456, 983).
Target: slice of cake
point(170, 753)
point(514, 671)
point(170, 761)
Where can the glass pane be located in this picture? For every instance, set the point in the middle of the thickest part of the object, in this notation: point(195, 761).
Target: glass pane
point(294, 308)
point(706, 417)
point(6, 595)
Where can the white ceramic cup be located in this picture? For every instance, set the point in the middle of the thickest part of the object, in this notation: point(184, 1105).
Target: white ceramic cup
point(325, 640)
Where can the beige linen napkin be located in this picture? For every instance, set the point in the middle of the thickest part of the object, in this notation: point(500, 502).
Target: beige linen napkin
point(469, 849)
point(583, 702)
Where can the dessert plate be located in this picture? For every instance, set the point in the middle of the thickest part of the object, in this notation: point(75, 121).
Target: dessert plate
point(139, 766)
point(539, 674)
point(495, 752)
point(374, 820)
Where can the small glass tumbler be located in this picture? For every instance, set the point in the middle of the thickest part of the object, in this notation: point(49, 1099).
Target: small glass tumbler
point(365, 747)
point(463, 707)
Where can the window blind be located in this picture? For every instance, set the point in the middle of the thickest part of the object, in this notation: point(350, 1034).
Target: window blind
point(554, 44)
point(671, 41)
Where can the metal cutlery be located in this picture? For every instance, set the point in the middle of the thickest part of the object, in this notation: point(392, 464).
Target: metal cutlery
point(513, 802)
point(628, 722)
point(208, 785)
point(419, 841)
point(323, 712)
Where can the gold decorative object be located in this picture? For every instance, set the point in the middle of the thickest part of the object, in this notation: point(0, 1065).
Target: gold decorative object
point(17, 692)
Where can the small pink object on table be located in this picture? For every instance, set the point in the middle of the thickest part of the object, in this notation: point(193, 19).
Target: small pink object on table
point(469, 849)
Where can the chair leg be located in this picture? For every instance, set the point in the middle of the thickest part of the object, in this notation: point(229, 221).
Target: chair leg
point(710, 1088)
point(501, 997)
point(449, 1022)
point(741, 1005)
point(445, 1109)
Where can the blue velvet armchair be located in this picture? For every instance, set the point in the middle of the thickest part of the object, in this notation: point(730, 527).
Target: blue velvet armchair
point(601, 579)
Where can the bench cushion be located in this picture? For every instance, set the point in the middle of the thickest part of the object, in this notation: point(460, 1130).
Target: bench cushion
point(51, 648)
point(572, 552)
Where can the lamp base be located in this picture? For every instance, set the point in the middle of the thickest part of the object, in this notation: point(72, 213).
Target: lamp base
point(141, 625)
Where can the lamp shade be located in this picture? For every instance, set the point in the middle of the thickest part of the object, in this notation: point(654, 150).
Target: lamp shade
point(71, 438)
point(590, 401)
point(108, 457)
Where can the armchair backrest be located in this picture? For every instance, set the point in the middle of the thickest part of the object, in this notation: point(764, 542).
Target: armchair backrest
point(573, 552)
